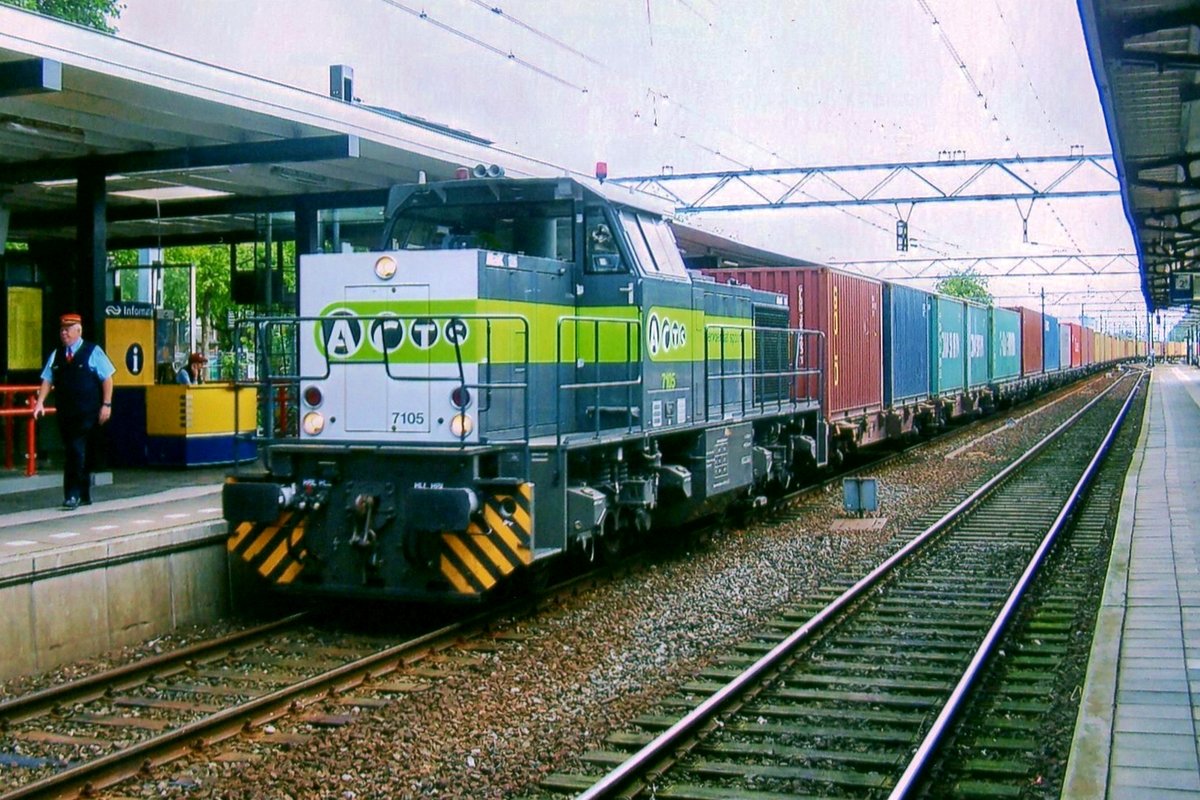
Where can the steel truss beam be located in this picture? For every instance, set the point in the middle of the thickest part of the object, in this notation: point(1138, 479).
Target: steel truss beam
point(961, 180)
point(1091, 265)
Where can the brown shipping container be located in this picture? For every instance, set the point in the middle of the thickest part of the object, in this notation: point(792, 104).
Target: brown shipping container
point(1088, 340)
point(848, 309)
point(1076, 357)
point(1031, 341)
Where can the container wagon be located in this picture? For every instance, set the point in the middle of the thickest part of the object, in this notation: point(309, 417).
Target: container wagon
point(848, 310)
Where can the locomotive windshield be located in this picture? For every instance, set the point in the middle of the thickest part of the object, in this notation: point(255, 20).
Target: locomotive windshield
point(534, 229)
point(533, 218)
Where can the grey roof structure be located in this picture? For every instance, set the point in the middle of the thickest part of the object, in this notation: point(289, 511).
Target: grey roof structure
point(1145, 58)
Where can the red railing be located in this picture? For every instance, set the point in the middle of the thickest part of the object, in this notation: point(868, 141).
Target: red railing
point(13, 404)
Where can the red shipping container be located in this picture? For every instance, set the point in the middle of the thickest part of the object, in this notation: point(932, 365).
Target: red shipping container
point(1031, 341)
point(848, 309)
point(1076, 358)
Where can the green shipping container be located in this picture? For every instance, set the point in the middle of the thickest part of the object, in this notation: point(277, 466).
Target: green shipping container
point(949, 355)
point(978, 363)
point(1006, 344)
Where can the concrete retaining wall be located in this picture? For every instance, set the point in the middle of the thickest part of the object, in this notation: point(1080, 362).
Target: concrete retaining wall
point(76, 603)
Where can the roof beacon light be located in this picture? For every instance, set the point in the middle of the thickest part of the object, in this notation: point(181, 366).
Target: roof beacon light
point(601, 171)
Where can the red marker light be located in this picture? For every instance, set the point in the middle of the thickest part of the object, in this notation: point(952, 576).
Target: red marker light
point(462, 174)
point(601, 170)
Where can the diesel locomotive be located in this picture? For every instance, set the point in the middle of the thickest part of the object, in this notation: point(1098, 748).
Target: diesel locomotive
point(524, 369)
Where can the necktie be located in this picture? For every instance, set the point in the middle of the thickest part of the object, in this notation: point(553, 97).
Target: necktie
point(70, 356)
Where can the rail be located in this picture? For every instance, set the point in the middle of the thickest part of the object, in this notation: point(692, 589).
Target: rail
point(9, 411)
point(619, 779)
point(941, 726)
point(743, 349)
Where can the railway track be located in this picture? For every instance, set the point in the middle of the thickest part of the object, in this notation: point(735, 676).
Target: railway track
point(81, 737)
point(855, 698)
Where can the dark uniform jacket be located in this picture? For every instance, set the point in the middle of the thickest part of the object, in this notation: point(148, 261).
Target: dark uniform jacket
point(76, 385)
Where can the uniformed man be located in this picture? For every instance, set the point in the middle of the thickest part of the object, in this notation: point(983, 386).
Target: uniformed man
point(82, 378)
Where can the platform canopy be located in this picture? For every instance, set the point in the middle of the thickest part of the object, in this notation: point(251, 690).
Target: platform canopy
point(188, 150)
point(1145, 57)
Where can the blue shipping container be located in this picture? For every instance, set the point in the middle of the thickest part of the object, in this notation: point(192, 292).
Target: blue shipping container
point(977, 345)
point(1051, 344)
point(906, 320)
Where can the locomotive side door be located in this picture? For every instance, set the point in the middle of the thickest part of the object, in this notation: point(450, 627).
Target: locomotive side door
point(379, 403)
point(607, 288)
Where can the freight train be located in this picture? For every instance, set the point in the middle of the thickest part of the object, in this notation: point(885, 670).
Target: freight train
point(903, 361)
point(527, 369)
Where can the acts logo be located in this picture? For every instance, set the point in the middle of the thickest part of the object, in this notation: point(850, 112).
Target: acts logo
point(343, 333)
point(664, 334)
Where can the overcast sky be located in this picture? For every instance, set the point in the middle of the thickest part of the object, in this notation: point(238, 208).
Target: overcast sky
point(716, 85)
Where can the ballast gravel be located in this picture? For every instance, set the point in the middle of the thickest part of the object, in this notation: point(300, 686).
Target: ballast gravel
point(549, 688)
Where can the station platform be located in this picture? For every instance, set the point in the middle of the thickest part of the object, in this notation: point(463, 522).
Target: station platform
point(1137, 733)
point(147, 556)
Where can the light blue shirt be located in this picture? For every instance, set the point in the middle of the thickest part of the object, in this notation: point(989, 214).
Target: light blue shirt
point(98, 363)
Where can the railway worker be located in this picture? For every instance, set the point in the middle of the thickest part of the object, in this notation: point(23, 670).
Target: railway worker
point(602, 239)
point(82, 378)
point(194, 370)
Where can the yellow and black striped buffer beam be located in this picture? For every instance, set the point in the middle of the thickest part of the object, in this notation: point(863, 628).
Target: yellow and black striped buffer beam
point(494, 545)
point(273, 549)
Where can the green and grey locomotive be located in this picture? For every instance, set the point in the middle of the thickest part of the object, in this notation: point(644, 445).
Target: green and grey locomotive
point(523, 370)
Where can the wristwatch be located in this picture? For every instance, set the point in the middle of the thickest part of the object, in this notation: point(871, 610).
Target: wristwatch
point(107, 404)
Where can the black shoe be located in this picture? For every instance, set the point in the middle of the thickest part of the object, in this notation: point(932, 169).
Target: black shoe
point(87, 501)
point(70, 504)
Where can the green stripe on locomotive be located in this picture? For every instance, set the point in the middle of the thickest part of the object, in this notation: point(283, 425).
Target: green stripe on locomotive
point(495, 330)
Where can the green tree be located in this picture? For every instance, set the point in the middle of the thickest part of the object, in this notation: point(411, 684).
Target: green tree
point(92, 13)
point(967, 285)
point(214, 302)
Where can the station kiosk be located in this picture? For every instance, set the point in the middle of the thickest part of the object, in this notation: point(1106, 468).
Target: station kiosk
point(161, 422)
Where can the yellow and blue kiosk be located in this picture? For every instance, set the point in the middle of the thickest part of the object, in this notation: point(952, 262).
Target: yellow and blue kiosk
point(166, 423)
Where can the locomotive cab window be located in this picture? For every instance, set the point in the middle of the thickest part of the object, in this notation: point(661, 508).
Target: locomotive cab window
point(653, 245)
point(602, 255)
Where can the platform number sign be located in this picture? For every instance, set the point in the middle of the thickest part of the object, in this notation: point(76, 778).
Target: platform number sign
point(135, 359)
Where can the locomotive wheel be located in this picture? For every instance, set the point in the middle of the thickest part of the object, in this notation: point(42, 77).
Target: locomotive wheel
point(612, 542)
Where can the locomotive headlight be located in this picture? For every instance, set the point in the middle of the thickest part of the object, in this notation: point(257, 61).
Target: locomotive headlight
point(314, 423)
point(461, 425)
point(385, 268)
